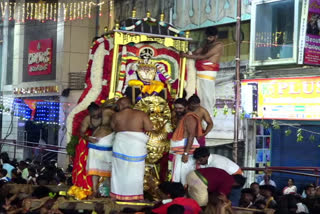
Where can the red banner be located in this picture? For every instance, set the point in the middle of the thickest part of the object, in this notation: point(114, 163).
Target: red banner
point(40, 57)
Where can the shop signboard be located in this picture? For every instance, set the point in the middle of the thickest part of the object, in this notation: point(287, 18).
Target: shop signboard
point(40, 57)
point(283, 98)
point(309, 47)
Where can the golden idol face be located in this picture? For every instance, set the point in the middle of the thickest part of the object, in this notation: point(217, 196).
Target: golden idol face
point(146, 73)
point(157, 109)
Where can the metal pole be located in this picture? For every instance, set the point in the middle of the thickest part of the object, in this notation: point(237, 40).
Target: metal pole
point(97, 18)
point(237, 86)
point(15, 149)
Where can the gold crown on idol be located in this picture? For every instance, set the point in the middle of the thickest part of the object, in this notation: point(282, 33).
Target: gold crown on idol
point(146, 64)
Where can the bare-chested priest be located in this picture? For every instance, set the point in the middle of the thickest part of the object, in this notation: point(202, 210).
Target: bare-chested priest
point(129, 151)
point(100, 143)
point(207, 60)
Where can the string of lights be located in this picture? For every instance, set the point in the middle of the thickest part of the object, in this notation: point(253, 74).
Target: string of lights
point(43, 11)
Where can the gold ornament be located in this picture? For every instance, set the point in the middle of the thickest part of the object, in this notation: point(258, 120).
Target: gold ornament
point(134, 13)
point(162, 17)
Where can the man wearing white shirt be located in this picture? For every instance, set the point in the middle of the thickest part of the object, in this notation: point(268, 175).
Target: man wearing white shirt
point(205, 160)
point(267, 181)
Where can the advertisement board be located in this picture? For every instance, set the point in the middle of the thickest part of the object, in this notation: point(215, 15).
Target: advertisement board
point(283, 98)
point(40, 57)
point(309, 48)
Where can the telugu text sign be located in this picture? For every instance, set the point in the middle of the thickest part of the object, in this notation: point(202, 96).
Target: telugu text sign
point(40, 57)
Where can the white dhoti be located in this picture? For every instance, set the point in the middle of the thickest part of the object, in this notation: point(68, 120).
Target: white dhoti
point(206, 78)
point(128, 163)
point(180, 169)
point(100, 157)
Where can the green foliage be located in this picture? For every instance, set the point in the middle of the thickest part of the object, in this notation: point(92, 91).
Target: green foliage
point(312, 138)
point(225, 109)
point(288, 132)
point(242, 115)
point(265, 124)
point(71, 147)
point(299, 135)
point(215, 111)
point(275, 124)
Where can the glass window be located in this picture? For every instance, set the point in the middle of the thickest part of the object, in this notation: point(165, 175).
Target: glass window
point(274, 32)
point(263, 149)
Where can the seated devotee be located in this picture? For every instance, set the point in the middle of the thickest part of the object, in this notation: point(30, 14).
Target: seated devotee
point(205, 160)
point(202, 181)
point(3, 175)
point(267, 181)
point(247, 198)
point(310, 198)
point(291, 188)
point(129, 151)
point(177, 193)
point(256, 190)
point(268, 192)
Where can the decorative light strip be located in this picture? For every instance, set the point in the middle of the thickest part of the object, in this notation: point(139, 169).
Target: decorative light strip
point(42, 11)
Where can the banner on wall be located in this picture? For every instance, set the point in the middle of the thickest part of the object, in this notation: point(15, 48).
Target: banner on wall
point(40, 57)
point(282, 98)
point(309, 47)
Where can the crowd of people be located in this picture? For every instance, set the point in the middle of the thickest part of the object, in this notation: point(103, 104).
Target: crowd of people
point(176, 197)
point(13, 198)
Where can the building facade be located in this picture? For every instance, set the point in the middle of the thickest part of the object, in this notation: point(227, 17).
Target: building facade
point(281, 91)
point(44, 49)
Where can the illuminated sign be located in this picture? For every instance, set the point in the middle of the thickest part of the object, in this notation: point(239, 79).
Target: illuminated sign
point(282, 98)
point(40, 57)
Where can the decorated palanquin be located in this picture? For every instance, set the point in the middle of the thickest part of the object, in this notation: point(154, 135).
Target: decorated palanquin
point(139, 59)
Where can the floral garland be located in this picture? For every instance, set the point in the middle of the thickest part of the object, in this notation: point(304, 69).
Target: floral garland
point(95, 74)
point(152, 21)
